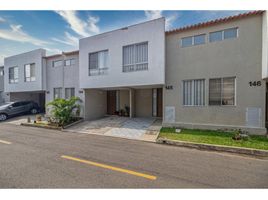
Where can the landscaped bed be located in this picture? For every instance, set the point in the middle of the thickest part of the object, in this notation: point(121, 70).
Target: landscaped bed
point(215, 137)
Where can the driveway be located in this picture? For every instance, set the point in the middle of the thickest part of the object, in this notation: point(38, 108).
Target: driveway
point(146, 129)
point(19, 119)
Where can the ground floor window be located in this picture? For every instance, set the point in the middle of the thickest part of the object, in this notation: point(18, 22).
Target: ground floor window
point(57, 93)
point(69, 92)
point(194, 92)
point(222, 91)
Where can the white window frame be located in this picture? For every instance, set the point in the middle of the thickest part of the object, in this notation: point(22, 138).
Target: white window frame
point(192, 98)
point(222, 34)
point(71, 64)
point(55, 61)
point(235, 89)
point(70, 88)
point(57, 88)
point(98, 70)
point(32, 77)
point(135, 64)
point(192, 40)
point(14, 80)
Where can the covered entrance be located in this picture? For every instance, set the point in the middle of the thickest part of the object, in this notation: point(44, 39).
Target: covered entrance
point(135, 102)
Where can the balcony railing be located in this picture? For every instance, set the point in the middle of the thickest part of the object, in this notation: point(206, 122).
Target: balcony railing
point(135, 67)
point(97, 72)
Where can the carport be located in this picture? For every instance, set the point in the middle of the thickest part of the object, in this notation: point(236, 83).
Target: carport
point(38, 97)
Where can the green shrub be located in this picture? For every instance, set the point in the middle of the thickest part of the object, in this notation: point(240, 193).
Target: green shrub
point(65, 110)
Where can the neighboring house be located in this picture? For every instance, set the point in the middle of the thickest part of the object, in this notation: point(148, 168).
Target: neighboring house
point(210, 75)
point(124, 70)
point(25, 77)
point(214, 74)
point(2, 97)
point(62, 76)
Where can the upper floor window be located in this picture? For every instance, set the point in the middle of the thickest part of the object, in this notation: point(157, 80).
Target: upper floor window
point(222, 91)
point(194, 92)
point(193, 40)
point(69, 62)
point(29, 72)
point(69, 92)
point(57, 63)
point(98, 63)
point(1, 72)
point(223, 34)
point(13, 73)
point(135, 57)
point(57, 93)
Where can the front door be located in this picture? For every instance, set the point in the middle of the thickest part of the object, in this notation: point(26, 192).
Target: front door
point(157, 102)
point(111, 102)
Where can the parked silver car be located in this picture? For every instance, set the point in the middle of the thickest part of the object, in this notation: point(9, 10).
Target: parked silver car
point(18, 108)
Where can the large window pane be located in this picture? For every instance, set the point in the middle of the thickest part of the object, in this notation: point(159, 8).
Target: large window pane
point(215, 91)
point(29, 72)
point(222, 91)
point(57, 93)
point(57, 63)
point(13, 74)
point(228, 93)
point(194, 92)
point(186, 42)
point(199, 39)
point(230, 33)
point(69, 92)
point(93, 61)
point(199, 92)
point(135, 57)
point(215, 36)
point(98, 63)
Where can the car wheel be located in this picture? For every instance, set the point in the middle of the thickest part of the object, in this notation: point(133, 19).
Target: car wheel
point(3, 117)
point(33, 111)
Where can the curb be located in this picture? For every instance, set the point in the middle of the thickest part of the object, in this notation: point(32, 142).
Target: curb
point(72, 124)
point(40, 126)
point(237, 150)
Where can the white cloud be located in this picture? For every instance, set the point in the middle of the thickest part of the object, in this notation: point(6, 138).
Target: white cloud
point(154, 14)
point(68, 39)
point(2, 20)
point(80, 26)
point(15, 33)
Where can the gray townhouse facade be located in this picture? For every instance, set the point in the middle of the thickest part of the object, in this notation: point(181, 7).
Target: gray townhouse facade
point(210, 75)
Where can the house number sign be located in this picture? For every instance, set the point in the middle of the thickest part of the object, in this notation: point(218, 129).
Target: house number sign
point(254, 83)
point(169, 87)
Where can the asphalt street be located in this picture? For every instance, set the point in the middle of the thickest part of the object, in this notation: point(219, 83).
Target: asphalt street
point(41, 158)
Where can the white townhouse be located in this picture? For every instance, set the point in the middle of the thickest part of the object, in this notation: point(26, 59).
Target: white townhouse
point(124, 70)
point(211, 75)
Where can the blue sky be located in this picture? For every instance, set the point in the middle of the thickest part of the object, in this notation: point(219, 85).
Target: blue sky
point(58, 31)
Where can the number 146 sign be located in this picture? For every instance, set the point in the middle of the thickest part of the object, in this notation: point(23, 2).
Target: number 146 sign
point(254, 83)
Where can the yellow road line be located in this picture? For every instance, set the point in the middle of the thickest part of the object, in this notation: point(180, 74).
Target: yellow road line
point(110, 167)
point(5, 142)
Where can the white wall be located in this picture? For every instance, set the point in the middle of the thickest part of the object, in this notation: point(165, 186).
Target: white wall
point(152, 31)
point(63, 77)
point(20, 60)
point(265, 45)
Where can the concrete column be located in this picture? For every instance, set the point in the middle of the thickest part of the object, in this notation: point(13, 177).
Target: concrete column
point(131, 103)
